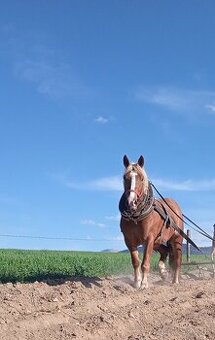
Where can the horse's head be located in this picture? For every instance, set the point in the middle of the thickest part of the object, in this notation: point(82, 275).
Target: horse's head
point(135, 182)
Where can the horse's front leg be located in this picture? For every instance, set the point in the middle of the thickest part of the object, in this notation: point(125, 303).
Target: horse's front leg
point(145, 266)
point(136, 266)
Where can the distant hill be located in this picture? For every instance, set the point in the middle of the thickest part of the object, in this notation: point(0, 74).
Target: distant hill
point(193, 251)
point(109, 251)
point(204, 250)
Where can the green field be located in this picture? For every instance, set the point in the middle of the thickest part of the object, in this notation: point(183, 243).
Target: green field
point(30, 266)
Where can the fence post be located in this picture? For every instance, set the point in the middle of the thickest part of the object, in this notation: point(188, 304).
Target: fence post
point(213, 242)
point(213, 252)
point(188, 247)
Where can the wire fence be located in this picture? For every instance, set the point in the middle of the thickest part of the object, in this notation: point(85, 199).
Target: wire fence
point(62, 238)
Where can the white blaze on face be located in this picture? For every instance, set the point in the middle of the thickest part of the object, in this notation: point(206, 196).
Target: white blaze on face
point(132, 194)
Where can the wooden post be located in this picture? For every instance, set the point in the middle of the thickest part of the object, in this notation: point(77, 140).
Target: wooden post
point(213, 242)
point(213, 245)
point(188, 247)
point(213, 252)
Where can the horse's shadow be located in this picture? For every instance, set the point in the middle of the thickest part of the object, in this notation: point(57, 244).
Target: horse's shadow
point(55, 280)
point(161, 282)
point(87, 282)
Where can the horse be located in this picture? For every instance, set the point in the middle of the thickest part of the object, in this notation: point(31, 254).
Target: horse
point(155, 224)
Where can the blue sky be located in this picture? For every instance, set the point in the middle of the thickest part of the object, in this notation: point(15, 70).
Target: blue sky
point(82, 84)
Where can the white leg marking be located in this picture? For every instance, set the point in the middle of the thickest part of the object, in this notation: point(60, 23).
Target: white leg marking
point(162, 268)
point(138, 278)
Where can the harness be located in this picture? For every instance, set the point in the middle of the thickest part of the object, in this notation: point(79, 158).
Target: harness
point(144, 209)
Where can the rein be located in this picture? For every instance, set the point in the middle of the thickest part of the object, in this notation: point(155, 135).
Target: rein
point(199, 229)
point(170, 221)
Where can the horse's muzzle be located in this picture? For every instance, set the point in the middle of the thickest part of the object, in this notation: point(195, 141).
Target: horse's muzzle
point(132, 205)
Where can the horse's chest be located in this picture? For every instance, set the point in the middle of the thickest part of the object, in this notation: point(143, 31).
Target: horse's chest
point(137, 231)
point(141, 230)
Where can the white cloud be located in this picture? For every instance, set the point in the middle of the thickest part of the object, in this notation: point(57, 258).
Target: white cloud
point(115, 183)
point(211, 108)
point(44, 67)
point(104, 184)
point(187, 185)
point(56, 80)
point(163, 97)
point(113, 218)
point(178, 100)
point(101, 120)
point(108, 183)
point(92, 223)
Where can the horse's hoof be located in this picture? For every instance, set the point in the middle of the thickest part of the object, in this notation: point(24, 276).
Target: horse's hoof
point(137, 285)
point(144, 285)
point(164, 276)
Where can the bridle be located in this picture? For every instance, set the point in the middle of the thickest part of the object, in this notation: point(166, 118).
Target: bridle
point(144, 201)
point(139, 191)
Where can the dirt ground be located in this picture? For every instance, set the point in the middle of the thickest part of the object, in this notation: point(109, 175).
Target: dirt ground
point(110, 309)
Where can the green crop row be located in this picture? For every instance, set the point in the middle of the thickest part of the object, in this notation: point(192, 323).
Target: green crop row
point(30, 266)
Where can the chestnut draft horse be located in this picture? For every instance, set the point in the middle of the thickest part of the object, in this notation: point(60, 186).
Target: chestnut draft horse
point(156, 224)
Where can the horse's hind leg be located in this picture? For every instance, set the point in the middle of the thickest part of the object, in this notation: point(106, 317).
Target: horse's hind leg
point(162, 261)
point(136, 265)
point(176, 258)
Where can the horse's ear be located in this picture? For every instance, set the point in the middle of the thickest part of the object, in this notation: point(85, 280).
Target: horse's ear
point(141, 161)
point(126, 161)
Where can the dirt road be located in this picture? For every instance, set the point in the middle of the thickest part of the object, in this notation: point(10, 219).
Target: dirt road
point(109, 309)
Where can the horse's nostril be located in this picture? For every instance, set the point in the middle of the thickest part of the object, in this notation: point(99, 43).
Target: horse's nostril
point(133, 204)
